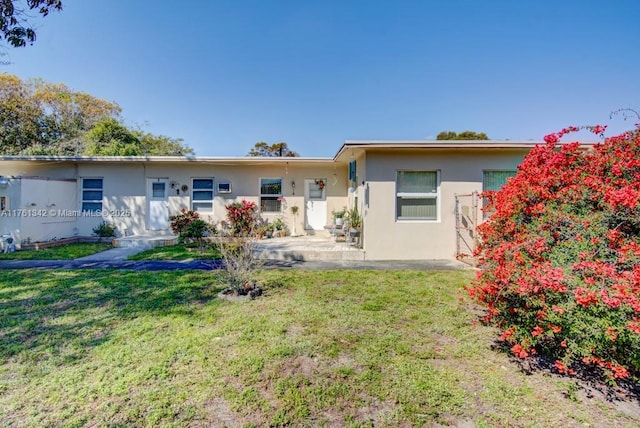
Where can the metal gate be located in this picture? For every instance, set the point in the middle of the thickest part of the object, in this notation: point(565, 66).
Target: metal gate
point(466, 224)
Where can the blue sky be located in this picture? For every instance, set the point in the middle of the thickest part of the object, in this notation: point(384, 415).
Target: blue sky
point(224, 75)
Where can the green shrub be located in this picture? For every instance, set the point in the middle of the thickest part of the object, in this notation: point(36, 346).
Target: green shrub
point(278, 224)
point(105, 230)
point(188, 224)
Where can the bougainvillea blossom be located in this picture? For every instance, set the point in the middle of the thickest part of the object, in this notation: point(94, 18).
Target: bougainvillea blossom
point(561, 255)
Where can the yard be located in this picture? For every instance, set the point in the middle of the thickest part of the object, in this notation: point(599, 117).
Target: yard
point(330, 348)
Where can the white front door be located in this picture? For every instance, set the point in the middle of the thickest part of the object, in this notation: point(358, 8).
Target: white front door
point(315, 197)
point(157, 204)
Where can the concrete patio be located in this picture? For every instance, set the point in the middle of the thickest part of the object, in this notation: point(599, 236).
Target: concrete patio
point(147, 240)
point(308, 248)
point(292, 248)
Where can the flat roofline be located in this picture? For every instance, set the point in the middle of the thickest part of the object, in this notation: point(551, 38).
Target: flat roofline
point(260, 160)
point(174, 159)
point(441, 144)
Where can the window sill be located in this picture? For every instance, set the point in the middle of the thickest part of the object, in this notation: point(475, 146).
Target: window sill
point(418, 220)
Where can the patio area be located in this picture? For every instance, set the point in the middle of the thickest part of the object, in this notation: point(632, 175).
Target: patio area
point(308, 247)
point(292, 248)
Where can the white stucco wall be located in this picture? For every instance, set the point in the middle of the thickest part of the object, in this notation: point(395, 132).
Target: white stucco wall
point(387, 238)
point(32, 188)
point(45, 202)
point(9, 223)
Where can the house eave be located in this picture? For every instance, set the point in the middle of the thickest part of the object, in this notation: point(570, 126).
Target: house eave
point(244, 160)
point(352, 147)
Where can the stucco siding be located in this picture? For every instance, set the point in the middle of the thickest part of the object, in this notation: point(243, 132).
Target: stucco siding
point(388, 238)
point(124, 189)
point(18, 169)
point(125, 183)
point(45, 202)
point(10, 224)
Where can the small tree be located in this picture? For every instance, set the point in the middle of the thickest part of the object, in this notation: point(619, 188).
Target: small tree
point(274, 150)
point(238, 246)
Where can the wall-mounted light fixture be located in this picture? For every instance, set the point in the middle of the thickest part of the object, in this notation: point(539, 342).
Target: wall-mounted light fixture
point(293, 188)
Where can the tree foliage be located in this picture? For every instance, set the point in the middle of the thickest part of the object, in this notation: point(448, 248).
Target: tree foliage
point(110, 138)
point(161, 145)
point(42, 118)
point(36, 116)
point(274, 150)
point(14, 15)
point(464, 135)
point(561, 256)
point(20, 126)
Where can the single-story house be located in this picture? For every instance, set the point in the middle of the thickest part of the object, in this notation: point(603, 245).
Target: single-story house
point(418, 199)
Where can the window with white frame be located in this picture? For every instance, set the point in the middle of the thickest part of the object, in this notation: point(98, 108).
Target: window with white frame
point(202, 194)
point(92, 194)
point(417, 195)
point(271, 195)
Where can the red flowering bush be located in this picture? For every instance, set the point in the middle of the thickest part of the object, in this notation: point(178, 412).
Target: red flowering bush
point(188, 224)
point(242, 217)
point(561, 256)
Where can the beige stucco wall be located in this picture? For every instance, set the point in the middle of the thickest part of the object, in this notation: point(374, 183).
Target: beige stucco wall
point(384, 237)
point(124, 188)
point(357, 195)
point(387, 238)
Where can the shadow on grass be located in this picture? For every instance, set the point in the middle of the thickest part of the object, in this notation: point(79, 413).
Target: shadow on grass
point(61, 314)
point(589, 379)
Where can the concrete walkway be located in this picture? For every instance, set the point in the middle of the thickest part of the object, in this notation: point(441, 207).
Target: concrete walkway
point(368, 265)
point(309, 253)
point(112, 255)
point(216, 264)
point(114, 258)
point(114, 264)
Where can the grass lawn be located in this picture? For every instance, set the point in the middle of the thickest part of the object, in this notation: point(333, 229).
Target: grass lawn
point(330, 348)
point(64, 252)
point(177, 252)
